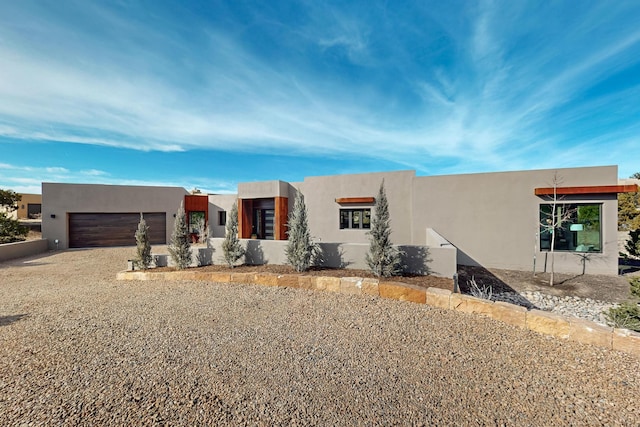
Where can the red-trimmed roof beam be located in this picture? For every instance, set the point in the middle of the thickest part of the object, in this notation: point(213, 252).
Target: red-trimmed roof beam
point(346, 200)
point(596, 189)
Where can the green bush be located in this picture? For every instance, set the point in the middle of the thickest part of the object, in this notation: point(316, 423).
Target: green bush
point(626, 316)
point(635, 286)
point(633, 243)
point(11, 230)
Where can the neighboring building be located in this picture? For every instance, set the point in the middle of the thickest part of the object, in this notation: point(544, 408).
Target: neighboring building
point(30, 206)
point(491, 219)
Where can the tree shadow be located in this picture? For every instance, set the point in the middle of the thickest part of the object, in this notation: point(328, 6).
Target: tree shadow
point(330, 255)
point(628, 265)
point(7, 320)
point(415, 260)
point(205, 256)
point(254, 255)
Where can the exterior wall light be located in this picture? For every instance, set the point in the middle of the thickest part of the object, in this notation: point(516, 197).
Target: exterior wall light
point(53, 215)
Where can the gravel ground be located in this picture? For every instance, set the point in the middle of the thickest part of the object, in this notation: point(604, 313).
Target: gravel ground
point(78, 347)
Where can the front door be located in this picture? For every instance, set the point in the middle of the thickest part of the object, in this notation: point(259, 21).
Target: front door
point(263, 223)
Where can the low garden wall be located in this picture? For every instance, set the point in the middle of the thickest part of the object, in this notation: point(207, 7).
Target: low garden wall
point(437, 261)
point(22, 249)
point(570, 328)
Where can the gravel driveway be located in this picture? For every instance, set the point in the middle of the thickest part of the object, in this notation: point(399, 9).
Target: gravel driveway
point(78, 347)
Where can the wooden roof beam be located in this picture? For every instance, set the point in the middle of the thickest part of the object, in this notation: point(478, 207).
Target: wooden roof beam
point(596, 189)
point(347, 200)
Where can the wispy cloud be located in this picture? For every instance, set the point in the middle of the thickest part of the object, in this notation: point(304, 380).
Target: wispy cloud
point(28, 179)
point(506, 91)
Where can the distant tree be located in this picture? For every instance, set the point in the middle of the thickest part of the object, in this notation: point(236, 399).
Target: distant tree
point(10, 229)
point(633, 243)
point(383, 258)
point(232, 250)
point(143, 245)
point(629, 209)
point(9, 200)
point(180, 247)
point(300, 249)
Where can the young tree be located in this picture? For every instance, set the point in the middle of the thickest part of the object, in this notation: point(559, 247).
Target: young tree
point(202, 230)
point(554, 221)
point(232, 250)
point(300, 249)
point(180, 247)
point(383, 259)
point(10, 229)
point(143, 245)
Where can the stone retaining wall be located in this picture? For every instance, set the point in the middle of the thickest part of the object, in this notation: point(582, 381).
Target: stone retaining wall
point(544, 322)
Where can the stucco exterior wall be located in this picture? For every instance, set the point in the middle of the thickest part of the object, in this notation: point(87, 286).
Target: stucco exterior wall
point(439, 261)
point(492, 218)
point(320, 194)
point(62, 199)
point(263, 189)
point(218, 203)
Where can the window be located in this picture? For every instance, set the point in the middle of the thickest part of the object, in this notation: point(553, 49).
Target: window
point(355, 218)
point(222, 217)
point(579, 230)
point(195, 218)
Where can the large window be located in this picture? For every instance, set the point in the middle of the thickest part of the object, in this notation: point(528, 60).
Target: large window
point(355, 218)
point(195, 218)
point(577, 227)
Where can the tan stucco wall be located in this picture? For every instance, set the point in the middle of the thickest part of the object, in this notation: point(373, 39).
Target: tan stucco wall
point(217, 203)
point(263, 189)
point(492, 218)
point(320, 194)
point(62, 199)
point(24, 203)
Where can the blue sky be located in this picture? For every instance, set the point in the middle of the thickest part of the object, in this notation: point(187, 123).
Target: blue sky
point(207, 94)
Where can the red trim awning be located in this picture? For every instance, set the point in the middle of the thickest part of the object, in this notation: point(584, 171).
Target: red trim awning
point(346, 200)
point(596, 189)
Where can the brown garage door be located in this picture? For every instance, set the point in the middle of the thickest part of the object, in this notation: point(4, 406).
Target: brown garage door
point(113, 229)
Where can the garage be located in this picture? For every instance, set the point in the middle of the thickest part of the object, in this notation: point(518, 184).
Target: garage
point(114, 229)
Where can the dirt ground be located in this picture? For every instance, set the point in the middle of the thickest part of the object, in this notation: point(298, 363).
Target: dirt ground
point(594, 286)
